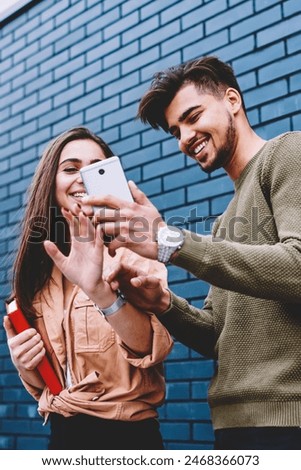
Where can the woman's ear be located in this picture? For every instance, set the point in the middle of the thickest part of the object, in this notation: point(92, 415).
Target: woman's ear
point(234, 99)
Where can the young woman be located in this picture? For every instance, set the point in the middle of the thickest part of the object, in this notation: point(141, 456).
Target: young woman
point(107, 354)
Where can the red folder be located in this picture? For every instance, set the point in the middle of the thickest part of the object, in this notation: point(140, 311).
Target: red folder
point(45, 369)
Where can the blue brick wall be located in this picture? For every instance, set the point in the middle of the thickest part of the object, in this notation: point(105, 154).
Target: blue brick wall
point(73, 62)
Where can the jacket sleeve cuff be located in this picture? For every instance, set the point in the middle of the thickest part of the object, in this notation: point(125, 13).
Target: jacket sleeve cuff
point(161, 347)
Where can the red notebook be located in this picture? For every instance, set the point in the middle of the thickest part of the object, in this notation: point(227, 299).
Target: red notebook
point(45, 369)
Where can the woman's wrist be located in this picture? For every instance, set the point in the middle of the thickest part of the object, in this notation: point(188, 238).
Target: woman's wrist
point(103, 295)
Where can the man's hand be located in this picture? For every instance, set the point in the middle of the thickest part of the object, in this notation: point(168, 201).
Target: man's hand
point(145, 292)
point(134, 225)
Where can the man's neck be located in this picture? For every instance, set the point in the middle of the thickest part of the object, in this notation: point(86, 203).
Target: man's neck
point(248, 144)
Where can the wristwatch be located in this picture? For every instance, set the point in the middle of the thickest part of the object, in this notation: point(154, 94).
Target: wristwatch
point(169, 239)
point(119, 302)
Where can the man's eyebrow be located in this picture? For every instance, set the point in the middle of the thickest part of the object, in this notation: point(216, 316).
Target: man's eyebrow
point(183, 117)
point(187, 112)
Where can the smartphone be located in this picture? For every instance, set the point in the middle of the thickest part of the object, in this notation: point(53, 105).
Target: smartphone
point(106, 177)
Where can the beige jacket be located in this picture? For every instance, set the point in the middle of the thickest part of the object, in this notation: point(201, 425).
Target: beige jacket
point(108, 379)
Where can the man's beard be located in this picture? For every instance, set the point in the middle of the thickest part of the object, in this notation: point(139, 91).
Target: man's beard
point(225, 152)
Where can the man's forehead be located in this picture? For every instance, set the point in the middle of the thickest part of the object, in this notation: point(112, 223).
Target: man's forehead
point(188, 97)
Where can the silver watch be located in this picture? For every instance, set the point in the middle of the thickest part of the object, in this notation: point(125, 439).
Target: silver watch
point(119, 302)
point(169, 239)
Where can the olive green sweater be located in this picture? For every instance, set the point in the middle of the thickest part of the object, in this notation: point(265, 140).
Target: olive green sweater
point(251, 319)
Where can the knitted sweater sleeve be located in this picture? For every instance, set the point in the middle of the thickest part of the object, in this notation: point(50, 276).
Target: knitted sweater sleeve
point(191, 326)
point(271, 270)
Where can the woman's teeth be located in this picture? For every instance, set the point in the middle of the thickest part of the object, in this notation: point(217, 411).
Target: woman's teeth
point(79, 194)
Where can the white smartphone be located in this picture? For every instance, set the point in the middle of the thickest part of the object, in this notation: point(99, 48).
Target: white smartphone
point(106, 177)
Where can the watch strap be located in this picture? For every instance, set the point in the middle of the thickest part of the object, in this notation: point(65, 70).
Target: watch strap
point(116, 305)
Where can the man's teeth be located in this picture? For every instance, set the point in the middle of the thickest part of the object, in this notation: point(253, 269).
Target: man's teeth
point(79, 194)
point(200, 147)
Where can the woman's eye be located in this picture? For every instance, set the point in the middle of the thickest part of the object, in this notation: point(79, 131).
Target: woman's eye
point(70, 169)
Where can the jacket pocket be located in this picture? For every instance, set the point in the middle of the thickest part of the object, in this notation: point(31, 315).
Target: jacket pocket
point(92, 333)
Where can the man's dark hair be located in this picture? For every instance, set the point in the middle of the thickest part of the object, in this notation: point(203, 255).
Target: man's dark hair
point(209, 74)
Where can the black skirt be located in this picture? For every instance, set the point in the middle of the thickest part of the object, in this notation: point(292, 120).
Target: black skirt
point(85, 432)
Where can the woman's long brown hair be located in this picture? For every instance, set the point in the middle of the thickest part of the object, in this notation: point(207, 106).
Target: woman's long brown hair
point(43, 221)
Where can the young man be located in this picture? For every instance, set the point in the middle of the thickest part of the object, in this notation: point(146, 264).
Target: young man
point(250, 322)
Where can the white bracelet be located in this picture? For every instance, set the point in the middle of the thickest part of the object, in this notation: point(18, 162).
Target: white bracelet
point(119, 302)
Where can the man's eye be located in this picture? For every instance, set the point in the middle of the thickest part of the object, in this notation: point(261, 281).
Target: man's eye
point(194, 117)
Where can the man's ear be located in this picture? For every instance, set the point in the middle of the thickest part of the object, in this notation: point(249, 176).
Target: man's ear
point(234, 99)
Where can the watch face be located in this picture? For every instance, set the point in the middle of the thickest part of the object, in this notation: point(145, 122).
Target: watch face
point(170, 236)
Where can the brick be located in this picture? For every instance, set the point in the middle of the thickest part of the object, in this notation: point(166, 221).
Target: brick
point(102, 78)
point(119, 86)
point(187, 411)
point(193, 288)
point(166, 165)
point(53, 116)
point(209, 188)
point(291, 7)
point(54, 10)
point(189, 36)
point(68, 67)
point(206, 45)
point(262, 5)
point(220, 203)
point(199, 390)
point(228, 17)
point(204, 12)
point(281, 108)
point(121, 55)
point(265, 93)
point(103, 49)
point(72, 11)
point(57, 34)
point(85, 16)
point(203, 432)
point(40, 31)
point(269, 131)
point(6, 443)
point(119, 116)
point(188, 176)
point(176, 11)
point(76, 42)
point(72, 96)
point(150, 136)
point(154, 7)
point(26, 52)
point(179, 351)
point(148, 70)
point(293, 44)
point(54, 62)
point(258, 58)
point(121, 25)
point(32, 443)
point(255, 22)
point(13, 48)
point(281, 68)
point(132, 5)
point(144, 58)
point(185, 213)
point(180, 432)
point(13, 72)
point(169, 200)
point(102, 21)
point(140, 31)
point(279, 30)
point(102, 108)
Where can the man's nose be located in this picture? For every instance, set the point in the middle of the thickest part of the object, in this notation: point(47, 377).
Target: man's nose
point(187, 137)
